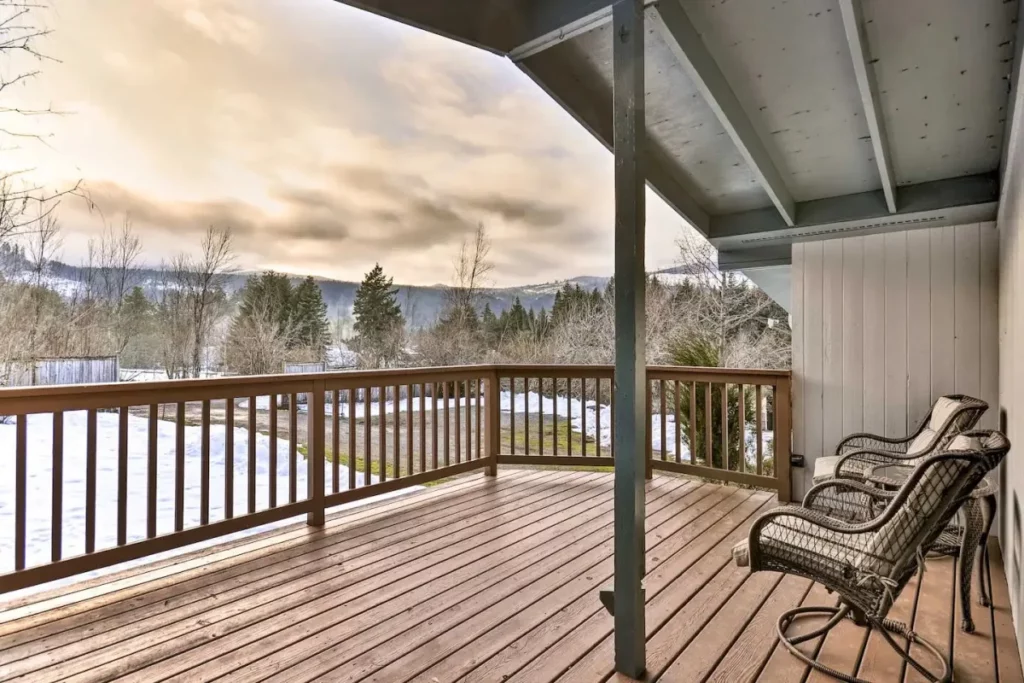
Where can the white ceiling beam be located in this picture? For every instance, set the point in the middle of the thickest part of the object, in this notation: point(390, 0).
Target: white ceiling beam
point(853, 23)
point(681, 36)
point(954, 201)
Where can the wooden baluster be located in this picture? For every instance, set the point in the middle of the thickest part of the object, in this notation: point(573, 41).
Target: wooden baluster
point(759, 426)
point(316, 452)
point(742, 429)
point(649, 412)
point(20, 491)
point(540, 416)
point(512, 414)
point(408, 430)
point(57, 486)
point(204, 466)
point(554, 416)
point(469, 421)
point(382, 429)
point(272, 459)
point(526, 415)
point(678, 425)
point(336, 441)
point(352, 438)
point(251, 453)
point(423, 427)
point(709, 459)
point(597, 414)
point(611, 411)
point(229, 453)
point(664, 422)
point(447, 425)
point(479, 417)
point(179, 467)
point(229, 450)
point(293, 448)
point(458, 423)
point(367, 435)
point(122, 476)
point(152, 467)
point(433, 426)
point(725, 425)
point(693, 423)
point(395, 403)
point(583, 414)
point(568, 416)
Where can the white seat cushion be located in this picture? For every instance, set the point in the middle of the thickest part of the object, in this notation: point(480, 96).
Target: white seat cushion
point(941, 412)
point(962, 442)
point(923, 442)
point(825, 468)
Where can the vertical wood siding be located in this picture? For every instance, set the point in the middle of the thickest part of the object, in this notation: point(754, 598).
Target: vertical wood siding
point(883, 324)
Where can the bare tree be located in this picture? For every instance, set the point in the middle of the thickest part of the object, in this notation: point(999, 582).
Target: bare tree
point(258, 344)
point(472, 269)
point(117, 254)
point(742, 323)
point(193, 302)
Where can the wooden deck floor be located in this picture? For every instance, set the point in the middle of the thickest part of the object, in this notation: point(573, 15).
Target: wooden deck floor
point(477, 580)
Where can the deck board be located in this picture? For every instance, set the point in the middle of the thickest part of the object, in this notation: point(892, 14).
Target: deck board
point(478, 579)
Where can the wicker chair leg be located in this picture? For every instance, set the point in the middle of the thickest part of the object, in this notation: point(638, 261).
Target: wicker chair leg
point(973, 531)
point(989, 508)
point(883, 627)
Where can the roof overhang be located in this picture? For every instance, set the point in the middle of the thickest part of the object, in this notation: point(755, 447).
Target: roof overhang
point(769, 123)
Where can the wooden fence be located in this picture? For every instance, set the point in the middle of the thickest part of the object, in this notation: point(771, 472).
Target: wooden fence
point(59, 371)
point(361, 434)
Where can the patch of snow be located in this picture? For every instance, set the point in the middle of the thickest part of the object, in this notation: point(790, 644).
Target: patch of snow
point(39, 462)
point(340, 356)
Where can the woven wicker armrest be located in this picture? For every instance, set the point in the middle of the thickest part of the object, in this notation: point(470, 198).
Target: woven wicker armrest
point(864, 441)
point(853, 464)
point(847, 500)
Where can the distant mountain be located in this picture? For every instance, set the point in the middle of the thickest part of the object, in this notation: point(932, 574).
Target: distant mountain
point(421, 305)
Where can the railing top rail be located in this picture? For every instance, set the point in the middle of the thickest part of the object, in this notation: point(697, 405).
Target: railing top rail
point(235, 381)
point(79, 396)
point(552, 370)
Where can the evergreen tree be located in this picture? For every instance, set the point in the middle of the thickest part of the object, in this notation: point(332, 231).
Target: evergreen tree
point(268, 295)
point(379, 322)
point(310, 315)
point(515, 319)
point(490, 325)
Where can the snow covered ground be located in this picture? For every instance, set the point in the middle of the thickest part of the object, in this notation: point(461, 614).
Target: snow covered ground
point(73, 522)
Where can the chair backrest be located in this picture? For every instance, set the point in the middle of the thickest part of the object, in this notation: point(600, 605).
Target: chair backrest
point(927, 501)
point(950, 415)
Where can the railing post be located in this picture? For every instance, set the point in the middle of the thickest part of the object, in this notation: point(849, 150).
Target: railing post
point(783, 411)
point(492, 421)
point(316, 452)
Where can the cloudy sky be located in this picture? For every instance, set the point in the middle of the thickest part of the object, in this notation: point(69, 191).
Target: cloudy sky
point(327, 138)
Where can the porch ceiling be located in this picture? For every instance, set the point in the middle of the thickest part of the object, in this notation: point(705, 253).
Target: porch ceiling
point(772, 121)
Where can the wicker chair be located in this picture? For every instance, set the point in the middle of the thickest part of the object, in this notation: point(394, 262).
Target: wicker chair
point(949, 416)
point(868, 564)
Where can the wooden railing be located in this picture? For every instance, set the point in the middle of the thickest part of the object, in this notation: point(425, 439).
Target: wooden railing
point(723, 424)
point(103, 474)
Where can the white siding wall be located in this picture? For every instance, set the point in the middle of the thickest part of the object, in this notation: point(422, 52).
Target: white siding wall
point(885, 323)
point(1011, 366)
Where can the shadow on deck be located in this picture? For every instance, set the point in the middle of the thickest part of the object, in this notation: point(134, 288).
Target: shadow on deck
point(478, 579)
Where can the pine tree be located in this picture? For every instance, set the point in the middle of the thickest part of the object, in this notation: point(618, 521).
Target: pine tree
point(310, 315)
point(517, 319)
point(379, 320)
point(490, 325)
point(268, 295)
